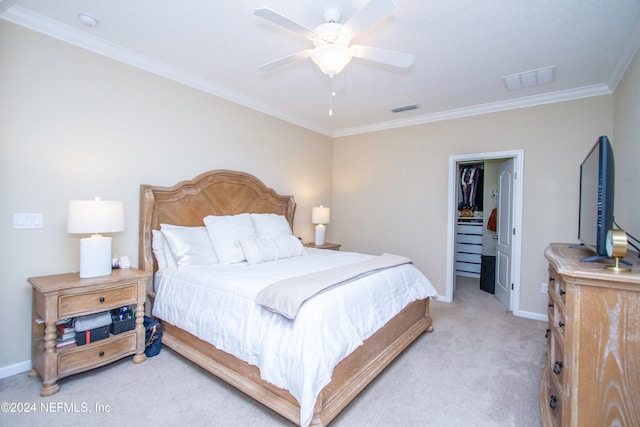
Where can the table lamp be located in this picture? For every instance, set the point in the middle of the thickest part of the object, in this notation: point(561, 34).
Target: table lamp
point(320, 216)
point(95, 217)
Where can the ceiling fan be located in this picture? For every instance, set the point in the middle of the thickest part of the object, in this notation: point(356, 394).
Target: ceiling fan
point(332, 50)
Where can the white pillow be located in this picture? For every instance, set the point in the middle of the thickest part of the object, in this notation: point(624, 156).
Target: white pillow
point(261, 250)
point(269, 226)
point(162, 251)
point(225, 233)
point(189, 245)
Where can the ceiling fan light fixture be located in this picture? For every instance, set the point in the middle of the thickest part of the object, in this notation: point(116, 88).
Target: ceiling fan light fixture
point(331, 58)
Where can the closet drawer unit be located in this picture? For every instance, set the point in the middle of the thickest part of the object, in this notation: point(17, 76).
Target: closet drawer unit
point(468, 267)
point(469, 229)
point(475, 239)
point(468, 249)
point(467, 257)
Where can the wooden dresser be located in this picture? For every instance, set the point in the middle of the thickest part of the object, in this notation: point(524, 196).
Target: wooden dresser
point(592, 371)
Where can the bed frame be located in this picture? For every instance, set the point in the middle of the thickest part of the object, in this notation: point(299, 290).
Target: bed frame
point(225, 192)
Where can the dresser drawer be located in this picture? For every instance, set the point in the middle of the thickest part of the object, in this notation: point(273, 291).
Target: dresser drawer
point(554, 400)
point(81, 358)
point(557, 286)
point(100, 300)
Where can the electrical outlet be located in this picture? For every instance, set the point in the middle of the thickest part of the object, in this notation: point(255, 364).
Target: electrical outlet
point(544, 288)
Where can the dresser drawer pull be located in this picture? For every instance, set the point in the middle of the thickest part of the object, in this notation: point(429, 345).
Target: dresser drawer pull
point(101, 354)
point(102, 299)
point(561, 324)
point(562, 292)
point(546, 334)
point(550, 305)
point(553, 402)
point(552, 279)
point(557, 367)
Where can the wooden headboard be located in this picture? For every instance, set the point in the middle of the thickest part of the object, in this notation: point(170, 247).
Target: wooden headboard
point(218, 192)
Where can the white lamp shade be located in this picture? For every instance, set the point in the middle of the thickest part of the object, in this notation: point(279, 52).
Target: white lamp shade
point(95, 216)
point(320, 215)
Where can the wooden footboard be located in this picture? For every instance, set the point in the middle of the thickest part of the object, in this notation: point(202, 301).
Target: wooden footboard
point(349, 378)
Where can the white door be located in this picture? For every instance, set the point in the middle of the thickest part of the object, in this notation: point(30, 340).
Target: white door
point(505, 231)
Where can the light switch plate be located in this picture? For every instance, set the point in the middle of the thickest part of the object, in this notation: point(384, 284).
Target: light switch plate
point(23, 221)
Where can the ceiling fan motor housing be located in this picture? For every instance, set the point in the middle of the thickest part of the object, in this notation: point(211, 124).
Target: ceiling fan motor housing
point(331, 33)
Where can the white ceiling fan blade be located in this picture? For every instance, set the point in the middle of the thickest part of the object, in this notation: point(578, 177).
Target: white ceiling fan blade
point(283, 21)
point(285, 60)
point(390, 57)
point(370, 13)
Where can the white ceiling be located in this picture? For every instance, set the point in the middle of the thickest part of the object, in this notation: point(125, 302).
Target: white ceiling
point(462, 50)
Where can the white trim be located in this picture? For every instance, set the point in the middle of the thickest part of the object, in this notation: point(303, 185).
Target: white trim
point(475, 110)
point(518, 156)
point(534, 316)
point(26, 18)
point(17, 368)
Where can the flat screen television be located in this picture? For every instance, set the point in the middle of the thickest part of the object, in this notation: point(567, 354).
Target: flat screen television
point(595, 218)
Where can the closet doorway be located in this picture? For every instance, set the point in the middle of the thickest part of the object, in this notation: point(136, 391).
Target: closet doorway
point(475, 246)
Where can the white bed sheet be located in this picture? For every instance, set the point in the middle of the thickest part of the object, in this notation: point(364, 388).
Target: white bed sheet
point(217, 304)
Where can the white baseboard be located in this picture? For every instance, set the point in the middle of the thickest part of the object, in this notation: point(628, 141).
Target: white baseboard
point(18, 368)
point(532, 315)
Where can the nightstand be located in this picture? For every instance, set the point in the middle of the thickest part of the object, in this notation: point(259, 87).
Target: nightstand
point(65, 296)
point(327, 245)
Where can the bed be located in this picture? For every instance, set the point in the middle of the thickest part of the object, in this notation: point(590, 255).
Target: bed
point(225, 193)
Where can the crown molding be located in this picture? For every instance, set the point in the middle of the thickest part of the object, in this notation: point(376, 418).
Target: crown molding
point(23, 17)
point(493, 107)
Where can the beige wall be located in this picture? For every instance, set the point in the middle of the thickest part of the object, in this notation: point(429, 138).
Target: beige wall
point(390, 187)
point(626, 147)
point(75, 125)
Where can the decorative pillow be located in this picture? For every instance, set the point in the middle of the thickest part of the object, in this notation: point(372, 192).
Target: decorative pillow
point(162, 251)
point(269, 226)
point(226, 232)
point(189, 245)
point(262, 250)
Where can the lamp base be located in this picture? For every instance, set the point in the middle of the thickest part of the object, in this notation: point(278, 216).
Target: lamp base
point(95, 257)
point(320, 235)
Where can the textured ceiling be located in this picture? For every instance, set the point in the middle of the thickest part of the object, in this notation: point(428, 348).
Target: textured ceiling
point(462, 50)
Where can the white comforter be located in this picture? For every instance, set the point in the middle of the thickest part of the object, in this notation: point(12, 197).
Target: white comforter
point(217, 304)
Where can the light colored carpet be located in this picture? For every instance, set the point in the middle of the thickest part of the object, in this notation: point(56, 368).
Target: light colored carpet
point(480, 367)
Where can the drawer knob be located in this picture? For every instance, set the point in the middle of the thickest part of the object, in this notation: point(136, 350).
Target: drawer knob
point(552, 279)
point(550, 305)
point(557, 367)
point(546, 334)
point(101, 299)
point(562, 292)
point(561, 324)
point(101, 354)
point(553, 402)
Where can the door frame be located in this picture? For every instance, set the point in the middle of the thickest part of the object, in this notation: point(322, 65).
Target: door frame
point(516, 255)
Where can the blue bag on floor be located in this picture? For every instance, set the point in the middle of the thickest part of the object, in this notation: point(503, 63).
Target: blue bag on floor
point(153, 336)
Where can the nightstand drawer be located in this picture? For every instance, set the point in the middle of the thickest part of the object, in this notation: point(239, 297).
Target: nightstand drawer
point(100, 300)
point(93, 355)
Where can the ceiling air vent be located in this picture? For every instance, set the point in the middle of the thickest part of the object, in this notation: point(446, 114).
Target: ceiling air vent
point(405, 108)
